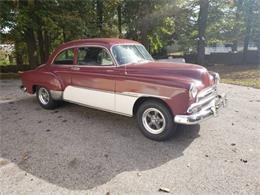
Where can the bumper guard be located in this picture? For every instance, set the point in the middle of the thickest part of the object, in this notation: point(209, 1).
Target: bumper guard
point(207, 112)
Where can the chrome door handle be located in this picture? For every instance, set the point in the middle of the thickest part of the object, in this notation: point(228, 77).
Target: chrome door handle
point(75, 68)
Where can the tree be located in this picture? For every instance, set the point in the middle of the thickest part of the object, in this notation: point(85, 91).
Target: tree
point(202, 24)
point(256, 28)
point(150, 22)
point(249, 6)
point(36, 27)
point(99, 9)
point(119, 16)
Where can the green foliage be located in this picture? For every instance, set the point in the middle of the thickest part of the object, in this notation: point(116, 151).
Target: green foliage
point(36, 27)
point(160, 36)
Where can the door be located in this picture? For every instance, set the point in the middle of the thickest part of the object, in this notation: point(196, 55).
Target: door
point(92, 80)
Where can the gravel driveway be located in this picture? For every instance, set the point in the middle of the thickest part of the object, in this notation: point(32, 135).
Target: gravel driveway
point(77, 150)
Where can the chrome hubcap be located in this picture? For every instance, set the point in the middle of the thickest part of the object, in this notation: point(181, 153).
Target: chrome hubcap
point(153, 121)
point(44, 96)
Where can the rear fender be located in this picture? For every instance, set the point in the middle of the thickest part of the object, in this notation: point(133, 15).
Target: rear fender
point(31, 79)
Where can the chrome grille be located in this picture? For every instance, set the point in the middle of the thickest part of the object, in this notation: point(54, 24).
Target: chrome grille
point(205, 99)
point(207, 93)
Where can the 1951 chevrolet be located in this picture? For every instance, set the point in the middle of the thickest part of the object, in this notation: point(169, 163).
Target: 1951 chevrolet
point(120, 76)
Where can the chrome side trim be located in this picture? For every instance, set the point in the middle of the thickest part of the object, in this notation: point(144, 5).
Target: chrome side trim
point(99, 90)
point(131, 94)
point(134, 94)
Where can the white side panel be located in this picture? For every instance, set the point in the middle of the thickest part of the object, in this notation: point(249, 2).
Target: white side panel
point(125, 104)
point(119, 103)
point(93, 98)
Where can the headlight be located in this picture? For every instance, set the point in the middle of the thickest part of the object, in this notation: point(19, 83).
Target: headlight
point(217, 78)
point(193, 91)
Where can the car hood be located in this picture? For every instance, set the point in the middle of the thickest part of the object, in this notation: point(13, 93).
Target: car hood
point(179, 72)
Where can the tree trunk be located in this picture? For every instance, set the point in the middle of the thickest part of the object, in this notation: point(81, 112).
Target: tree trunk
point(234, 46)
point(246, 43)
point(248, 33)
point(46, 45)
point(100, 15)
point(18, 54)
point(31, 47)
point(258, 49)
point(119, 14)
point(41, 45)
point(64, 35)
point(144, 38)
point(202, 24)
point(238, 5)
point(39, 32)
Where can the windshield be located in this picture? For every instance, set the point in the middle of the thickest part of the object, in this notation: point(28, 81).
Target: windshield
point(126, 54)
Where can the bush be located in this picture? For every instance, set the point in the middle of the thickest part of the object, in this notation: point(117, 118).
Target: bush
point(15, 68)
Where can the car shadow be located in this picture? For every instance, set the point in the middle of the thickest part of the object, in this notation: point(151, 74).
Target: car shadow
point(81, 148)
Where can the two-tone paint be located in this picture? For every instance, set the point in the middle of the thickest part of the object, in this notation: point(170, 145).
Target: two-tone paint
point(115, 88)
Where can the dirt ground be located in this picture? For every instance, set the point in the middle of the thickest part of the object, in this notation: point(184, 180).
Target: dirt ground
point(77, 150)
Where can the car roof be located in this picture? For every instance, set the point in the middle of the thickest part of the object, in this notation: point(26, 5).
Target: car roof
point(107, 42)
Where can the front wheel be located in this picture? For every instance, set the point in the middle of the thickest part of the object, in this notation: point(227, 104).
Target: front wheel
point(44, 98)
point(155, 121)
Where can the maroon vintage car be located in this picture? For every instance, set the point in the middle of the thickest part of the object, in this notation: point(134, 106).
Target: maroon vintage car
point(120, 76)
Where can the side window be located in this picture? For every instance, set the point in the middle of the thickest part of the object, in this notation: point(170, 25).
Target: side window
point(65, 57)
point(94, 56)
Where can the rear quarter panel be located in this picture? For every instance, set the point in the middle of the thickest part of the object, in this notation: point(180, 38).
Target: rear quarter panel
point(39, 77)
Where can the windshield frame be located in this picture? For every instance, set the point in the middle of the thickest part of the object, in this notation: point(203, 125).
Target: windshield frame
point(139, 44)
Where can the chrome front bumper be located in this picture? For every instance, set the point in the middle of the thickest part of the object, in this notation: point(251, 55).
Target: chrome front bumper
point(206, 112)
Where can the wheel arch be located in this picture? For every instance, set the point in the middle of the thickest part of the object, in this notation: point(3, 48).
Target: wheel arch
point(48, 80)
point(143, 99)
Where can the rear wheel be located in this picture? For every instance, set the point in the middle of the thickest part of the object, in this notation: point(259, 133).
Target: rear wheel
point(155, 120)
point(44, 98)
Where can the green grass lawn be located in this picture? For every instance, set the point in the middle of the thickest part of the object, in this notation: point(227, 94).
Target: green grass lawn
point(246, 75)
